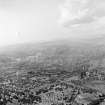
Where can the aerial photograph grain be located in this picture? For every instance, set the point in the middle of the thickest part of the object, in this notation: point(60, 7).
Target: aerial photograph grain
point(52, 52)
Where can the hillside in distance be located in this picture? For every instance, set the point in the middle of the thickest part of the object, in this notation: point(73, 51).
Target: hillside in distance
point(55, 55)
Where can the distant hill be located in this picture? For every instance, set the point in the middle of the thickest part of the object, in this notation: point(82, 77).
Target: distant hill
point(54, 55)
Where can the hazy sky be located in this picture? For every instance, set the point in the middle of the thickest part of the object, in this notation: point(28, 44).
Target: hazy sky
point(28, 20)
point(37, 20)
point(83, 18)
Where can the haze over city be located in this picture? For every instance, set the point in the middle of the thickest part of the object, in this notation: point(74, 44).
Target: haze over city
point(52, 52)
